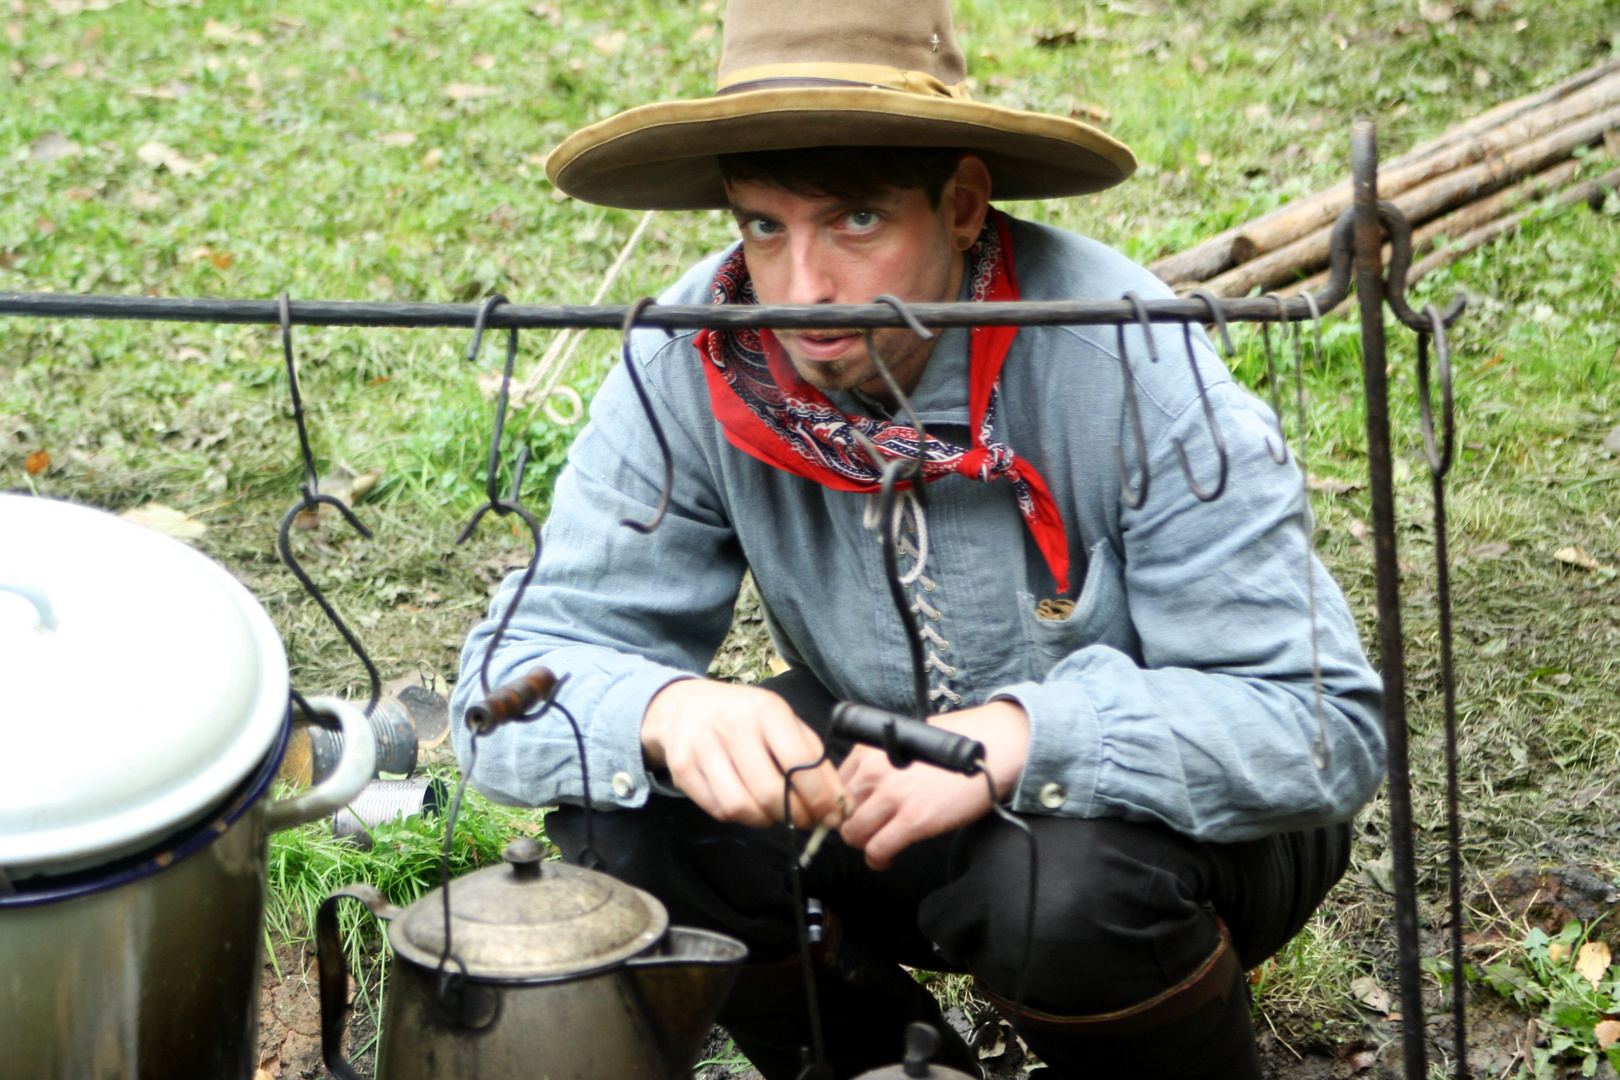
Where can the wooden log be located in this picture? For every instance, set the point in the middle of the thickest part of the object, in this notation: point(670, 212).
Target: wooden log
point(1589, 191)
point(1465, 219)
point(1310, 252)
point(1288, 223)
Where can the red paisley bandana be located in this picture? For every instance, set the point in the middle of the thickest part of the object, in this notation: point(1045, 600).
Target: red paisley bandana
point(770, 413)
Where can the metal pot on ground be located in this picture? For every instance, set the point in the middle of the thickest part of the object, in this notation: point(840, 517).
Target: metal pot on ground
point(552, 970)
point(143, 706)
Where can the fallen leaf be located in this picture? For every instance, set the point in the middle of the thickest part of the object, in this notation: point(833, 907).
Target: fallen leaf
point(1435, 12)
point(159, 156)
point(1482, 77)
point(1094, 114)
point(1332, 486)
point(460, 91)
point(75, 70)
point(221, 34)
point(1577, 557)
point(171, 92)
point(79, 194)
point(431, 159)
point(1592, 963)
point(609, 43)
point(778, 665)
point(1358, 529)
point(1492, 550)
point(1607, 1033)
point(1205, 159)
point(1258, 111)
point(1199, 64)
point(1557, 952)
point(346, 487)
point(483, 61)
point(51, 146)
point(14, 31)
point(1370, 994)
point(1563, 678)
point(701, 34)
point(188, 353)
point(37, 462)
point(1361, 1060)
point(166, 520)
point(397, 138)
point(144, 200)
point(1612, 440)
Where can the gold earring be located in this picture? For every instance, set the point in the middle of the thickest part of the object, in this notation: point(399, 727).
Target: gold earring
point(963, 243)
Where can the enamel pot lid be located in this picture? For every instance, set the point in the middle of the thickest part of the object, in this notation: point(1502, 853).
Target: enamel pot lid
point(531, 921)
point(139, 685)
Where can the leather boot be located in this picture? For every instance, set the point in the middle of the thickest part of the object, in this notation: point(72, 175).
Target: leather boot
point(1199, 1029)
point(866, 1003)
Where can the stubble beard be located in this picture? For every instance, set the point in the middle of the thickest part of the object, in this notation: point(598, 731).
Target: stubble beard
point(903, 351)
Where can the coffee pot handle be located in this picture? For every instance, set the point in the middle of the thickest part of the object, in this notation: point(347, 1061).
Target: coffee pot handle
point(334, 971)
point(355, 768)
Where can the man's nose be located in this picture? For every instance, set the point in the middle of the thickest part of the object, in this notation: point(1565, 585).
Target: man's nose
point(810, 280)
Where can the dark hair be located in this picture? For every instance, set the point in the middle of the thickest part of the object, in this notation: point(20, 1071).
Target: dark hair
point(855, 173)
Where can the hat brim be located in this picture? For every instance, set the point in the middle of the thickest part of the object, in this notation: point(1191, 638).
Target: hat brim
point(664, 156)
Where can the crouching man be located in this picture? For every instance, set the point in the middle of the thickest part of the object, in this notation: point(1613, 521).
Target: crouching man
point(1140, 675)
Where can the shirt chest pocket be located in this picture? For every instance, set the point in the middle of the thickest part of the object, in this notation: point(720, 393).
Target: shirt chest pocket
point(1101, 615)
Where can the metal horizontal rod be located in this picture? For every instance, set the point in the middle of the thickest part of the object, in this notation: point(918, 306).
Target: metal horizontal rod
point(675, 317)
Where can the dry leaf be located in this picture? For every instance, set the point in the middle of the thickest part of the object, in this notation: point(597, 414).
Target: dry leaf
point(37, 462)
point(1358, 529)
point(1091, 114)
point(1258, 111)
point(158, 156)
point(1370, 994)
point(1493, 550)
point(188, 353)
point(1557, 952)
point(75, 70)
point(397, 138)
point(778, 665)
point(1482, 78)
point(14, 31)
point(166, 520)
point(1199, 64)
point(700, 35)
point(483, 61)
point(346, 487)
point(1361, 1060)
point(610, 43)
point(1435, 12)
point(1612, 439)
point(431, 159)
point(1332, 486)
point(1607, 1033)
point(220, 34)
point(79, 194)
point(1577, 557)
point(144, 200)
point(460, 91)
point(171, 92)
point(1593, 962)
point(52, 145)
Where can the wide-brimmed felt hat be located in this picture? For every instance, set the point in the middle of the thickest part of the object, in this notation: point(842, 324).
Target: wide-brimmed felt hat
point(806, 73)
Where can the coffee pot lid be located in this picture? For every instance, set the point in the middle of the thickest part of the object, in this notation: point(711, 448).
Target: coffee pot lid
point(529, 920)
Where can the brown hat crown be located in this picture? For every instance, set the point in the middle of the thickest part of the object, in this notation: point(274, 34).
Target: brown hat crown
point(909, 35)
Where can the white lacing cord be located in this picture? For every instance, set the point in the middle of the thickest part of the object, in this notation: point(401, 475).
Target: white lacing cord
point(912, 520)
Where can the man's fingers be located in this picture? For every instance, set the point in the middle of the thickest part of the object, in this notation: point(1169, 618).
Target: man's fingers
point(791, 743)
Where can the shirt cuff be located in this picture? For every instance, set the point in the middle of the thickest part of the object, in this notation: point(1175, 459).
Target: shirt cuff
point(1065, 749)
point(626, 781)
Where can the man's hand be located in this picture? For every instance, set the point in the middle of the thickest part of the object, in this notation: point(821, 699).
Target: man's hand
point(895, 808)
point(727, 747)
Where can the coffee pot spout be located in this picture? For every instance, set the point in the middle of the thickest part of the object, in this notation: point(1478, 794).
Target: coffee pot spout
point(683, 983)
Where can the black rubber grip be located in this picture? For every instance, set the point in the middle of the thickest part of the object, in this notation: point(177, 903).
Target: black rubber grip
point(906, 740)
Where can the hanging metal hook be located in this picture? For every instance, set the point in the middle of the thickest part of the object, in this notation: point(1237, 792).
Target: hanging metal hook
point(310, 501)
point(1134, 500)
point(630, 319)
point(1279, 456)
point(501, 507)
point(1439, 454)
point(1209, 411)
point(1320, 754)
point(1217, 313)
point(900, 397)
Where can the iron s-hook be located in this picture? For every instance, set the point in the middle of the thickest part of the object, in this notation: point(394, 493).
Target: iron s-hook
point(1320, 755)
point(1203, 400)
point(1134, 500)
point(310, 500)
point(630, 318)
point(1279, 456)
point(495, 503)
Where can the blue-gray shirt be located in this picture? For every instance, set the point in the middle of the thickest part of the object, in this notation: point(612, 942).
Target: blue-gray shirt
point(1178, 690)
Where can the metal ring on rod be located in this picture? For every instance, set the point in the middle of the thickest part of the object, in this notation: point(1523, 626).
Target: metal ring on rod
point(662, 506)
point(1134, 499)
point(1215, 438)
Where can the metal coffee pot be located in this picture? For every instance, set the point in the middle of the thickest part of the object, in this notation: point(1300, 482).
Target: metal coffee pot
point(551, 971)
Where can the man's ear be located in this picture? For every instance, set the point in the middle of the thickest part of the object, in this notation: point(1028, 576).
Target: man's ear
point(967, 194)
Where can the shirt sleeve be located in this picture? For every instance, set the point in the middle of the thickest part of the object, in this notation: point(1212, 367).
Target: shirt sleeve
point(1214, 730)
point(615, 613)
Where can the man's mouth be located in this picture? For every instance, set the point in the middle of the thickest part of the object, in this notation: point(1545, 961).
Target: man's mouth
point(825, 345)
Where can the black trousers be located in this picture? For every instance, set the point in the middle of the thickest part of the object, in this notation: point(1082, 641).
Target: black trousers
point(1124, 910)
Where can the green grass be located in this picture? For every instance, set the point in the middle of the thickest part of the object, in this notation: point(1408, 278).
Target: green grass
point(289, 120)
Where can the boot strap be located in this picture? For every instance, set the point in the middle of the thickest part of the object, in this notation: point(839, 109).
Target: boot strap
point(1214, 978)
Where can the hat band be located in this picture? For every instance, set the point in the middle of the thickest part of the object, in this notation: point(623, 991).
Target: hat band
point(782, 76)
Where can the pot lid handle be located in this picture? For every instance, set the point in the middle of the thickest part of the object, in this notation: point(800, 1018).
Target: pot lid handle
point(37, 597)
point(525, 856)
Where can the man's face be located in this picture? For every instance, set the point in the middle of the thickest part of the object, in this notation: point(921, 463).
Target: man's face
point(818, 250)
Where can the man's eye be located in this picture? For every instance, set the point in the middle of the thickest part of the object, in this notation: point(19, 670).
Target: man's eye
point(862, 220)
point(760, 229)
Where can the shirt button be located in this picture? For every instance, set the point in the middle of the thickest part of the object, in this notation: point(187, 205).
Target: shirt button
point(624, 785)
point(1052, 795)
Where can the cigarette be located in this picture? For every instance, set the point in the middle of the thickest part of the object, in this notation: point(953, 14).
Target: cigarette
point(819, 836)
